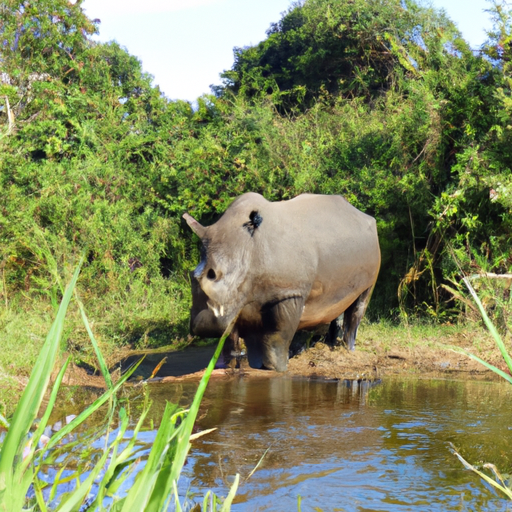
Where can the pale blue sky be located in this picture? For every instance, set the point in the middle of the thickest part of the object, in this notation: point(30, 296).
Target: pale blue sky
point(185, 44)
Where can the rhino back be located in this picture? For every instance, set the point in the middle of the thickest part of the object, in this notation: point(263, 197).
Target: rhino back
point(327, 248)
point(316, 247)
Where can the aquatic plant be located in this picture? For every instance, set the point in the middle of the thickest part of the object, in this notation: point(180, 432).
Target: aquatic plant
point(24, 450)
point(498, 482)
point(494, 333)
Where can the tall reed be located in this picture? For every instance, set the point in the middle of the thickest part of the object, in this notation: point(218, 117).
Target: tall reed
point(498, 482)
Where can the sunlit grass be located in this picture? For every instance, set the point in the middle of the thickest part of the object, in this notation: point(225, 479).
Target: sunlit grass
point(496, 337)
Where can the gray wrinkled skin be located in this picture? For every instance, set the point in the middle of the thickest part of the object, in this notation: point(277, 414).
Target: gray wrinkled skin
point(284, 266)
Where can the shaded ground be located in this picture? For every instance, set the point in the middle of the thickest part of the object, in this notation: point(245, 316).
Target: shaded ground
point(381, 350)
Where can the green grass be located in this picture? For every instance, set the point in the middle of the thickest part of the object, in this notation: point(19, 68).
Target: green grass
point(385, 336)
point(140, 317)
point(154, 487)
point(496, 337)
point(22, 334)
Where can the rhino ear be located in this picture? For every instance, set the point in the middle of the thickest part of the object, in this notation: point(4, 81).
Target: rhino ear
point(195, 226)
point(255, 220)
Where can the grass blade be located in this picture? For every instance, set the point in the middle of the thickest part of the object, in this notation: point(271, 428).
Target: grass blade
point(165, 481)
point(496, 370)
point(110, 470)
point(141, 492)
point(184, 436)
point(226, 506)
point(28, 457)
point(64, 431)
point(482, 475)
point(76, 498)
point(29, 404)
point(490, 325)
point(177, 507)
point(496, 472)
point(258, 464)
point(99, 355)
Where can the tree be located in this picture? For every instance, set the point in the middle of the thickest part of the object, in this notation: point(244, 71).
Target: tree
point(357, 48)
point(41, 42)
point(80, 168)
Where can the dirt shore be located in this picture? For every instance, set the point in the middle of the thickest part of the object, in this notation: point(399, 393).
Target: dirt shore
point(419, 350)
point(379, 352)
point(323, 362)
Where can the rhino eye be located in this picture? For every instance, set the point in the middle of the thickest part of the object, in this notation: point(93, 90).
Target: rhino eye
point(211, 274)
point(255, 220)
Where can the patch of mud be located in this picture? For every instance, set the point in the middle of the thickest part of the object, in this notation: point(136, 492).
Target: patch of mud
point(371, 360)
point(322, 361)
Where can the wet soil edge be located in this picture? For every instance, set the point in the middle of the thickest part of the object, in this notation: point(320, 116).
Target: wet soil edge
point(430, 356)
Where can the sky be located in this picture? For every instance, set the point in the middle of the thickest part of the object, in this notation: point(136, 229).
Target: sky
point(186, 44)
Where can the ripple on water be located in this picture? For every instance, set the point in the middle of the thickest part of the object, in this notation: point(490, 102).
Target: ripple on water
point(343, 446)
point(365, 449)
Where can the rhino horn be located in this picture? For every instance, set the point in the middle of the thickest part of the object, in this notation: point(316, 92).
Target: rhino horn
point(195, 226)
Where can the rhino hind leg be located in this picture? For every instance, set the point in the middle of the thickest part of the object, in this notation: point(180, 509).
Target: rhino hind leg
point(352, 318)
point(304, 340)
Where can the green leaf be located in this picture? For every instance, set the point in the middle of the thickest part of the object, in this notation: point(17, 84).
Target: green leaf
point(12, 490)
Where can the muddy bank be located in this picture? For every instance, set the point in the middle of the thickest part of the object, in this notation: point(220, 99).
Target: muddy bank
point(379, 352)
point(323, 362)
point(416, 350)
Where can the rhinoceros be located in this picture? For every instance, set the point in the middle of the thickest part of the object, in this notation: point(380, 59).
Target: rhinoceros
point(282, 267)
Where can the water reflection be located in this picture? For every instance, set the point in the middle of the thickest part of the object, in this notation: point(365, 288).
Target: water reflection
point(351, 447)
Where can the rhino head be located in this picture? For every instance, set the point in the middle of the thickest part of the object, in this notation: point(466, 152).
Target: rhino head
point(226, 260)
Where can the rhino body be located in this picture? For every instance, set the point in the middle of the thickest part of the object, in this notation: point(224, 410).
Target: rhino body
point(283, 267)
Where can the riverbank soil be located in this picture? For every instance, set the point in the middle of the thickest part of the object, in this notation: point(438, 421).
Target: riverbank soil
point(381, 350)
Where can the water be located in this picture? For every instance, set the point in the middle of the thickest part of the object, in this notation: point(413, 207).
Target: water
point(347, 447)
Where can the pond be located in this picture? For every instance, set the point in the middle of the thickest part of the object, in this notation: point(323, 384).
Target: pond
point(339, 445)
point(348, 446)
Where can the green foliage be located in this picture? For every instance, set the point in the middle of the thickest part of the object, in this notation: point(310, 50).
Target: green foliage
point(497, 481)
point(393, 128)
point(357, 49)
point(380, 101)
point(15, 478)
point(79, 172)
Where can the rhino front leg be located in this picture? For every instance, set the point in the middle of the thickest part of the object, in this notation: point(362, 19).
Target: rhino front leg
point(270, 347)
point(231, 352)
point(276, 350)
point(352, 318)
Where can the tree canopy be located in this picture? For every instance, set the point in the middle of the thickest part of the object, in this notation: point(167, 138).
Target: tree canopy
point(360, 48)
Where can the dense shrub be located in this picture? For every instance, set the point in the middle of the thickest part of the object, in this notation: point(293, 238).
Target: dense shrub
point(381, 101)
